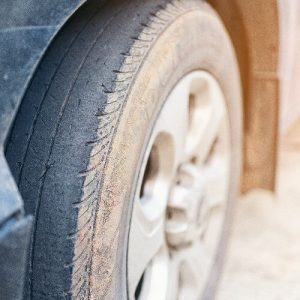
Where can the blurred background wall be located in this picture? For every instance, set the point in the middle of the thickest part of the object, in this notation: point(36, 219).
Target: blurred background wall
point(289, 66)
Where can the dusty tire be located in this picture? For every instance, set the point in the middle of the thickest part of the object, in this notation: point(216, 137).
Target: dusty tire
point(79, 137)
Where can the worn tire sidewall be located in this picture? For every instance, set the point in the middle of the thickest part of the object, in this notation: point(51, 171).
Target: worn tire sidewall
point(195, 40)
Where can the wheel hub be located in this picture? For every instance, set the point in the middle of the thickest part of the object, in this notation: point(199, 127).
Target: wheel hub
point(180, 203)
point(186, 207)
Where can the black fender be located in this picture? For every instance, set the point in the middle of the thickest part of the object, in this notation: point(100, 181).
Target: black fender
point(26, 30)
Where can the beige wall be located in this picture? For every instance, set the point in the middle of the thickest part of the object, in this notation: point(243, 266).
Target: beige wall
point(289, 67)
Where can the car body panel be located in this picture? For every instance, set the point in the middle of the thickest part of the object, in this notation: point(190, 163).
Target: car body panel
point(26, 30)
point(254, 30)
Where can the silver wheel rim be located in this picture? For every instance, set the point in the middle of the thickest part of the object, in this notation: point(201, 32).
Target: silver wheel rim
point(181, 198)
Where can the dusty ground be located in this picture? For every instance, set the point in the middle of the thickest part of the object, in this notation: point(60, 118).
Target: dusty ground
point(264, 255)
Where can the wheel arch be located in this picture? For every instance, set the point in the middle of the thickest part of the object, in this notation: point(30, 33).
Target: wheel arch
point(254, 29)
point(26, 30)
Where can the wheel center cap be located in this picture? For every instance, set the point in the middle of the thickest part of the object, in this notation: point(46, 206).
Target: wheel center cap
point(187, 211)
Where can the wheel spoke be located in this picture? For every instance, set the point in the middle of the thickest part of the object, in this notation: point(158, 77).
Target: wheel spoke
point(217, 177)
point(209, 133)
point(173, 280)
point(173, 118)
point(217, 174)
point(194, 263)
point(146, 238)
point(207, 114)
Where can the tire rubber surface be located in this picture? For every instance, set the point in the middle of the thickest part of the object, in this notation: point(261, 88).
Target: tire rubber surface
point(80, 133)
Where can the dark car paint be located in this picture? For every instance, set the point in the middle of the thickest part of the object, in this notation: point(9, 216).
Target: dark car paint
point(26, 30)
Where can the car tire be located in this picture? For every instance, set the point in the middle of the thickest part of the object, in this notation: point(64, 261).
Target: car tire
point(80, 136)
